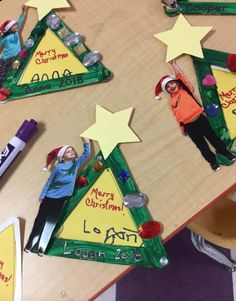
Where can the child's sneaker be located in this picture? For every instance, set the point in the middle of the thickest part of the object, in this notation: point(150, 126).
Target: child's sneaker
point(26, 250)
point(215, 166)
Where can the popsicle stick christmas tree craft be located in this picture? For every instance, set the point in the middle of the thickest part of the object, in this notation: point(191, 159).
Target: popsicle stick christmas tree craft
point(175, 7)
point(106, 218)
point(217, 85)
point(53, 58)
point(10, 260)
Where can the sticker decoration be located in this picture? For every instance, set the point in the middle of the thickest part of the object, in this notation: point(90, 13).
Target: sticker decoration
point(53, 58)
point(175, 7)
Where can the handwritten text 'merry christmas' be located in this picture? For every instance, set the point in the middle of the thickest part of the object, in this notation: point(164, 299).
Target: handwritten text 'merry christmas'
point(44, 57)
point(228, 98)
point(103, 200)
point(3, 277)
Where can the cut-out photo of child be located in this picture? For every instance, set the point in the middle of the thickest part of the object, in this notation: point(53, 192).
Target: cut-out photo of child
point(10, 46)
point(190, 116)
point(57, 190)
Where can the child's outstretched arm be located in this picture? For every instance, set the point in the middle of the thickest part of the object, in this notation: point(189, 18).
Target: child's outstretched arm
point(86, 153)
point(24, 9)
point(174, 67)
point(22, 16)
point(179, 74)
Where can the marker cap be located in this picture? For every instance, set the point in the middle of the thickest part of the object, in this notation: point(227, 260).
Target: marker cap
point(27, 130)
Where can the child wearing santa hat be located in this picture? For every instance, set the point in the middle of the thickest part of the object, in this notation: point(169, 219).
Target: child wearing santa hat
point(57, 190)
point(190, 116)
point(10, 44)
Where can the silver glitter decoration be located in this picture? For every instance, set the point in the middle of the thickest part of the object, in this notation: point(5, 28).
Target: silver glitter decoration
point(164, 261)
point(29, 43)
point(72, 39)
point(99, 158)
point(91, 58)
point(53, 21)
point(135, 200)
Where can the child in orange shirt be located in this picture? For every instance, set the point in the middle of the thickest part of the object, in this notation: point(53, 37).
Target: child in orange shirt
point(190, 116)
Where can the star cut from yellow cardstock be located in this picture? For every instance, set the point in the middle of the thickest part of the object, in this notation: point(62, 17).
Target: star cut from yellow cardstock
point(183, 38)
point(111, 129)
point(45, 6)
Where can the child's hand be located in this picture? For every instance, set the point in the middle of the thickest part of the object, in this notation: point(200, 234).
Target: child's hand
point(1, 33)
point(172, 62)
point(175, 68)
point(85, 140)
point(24, 8)
point(183, 131)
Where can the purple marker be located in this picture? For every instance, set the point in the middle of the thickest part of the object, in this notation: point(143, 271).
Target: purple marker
point(16, 144)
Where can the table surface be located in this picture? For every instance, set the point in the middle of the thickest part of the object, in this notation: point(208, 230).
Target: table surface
point(166, 165)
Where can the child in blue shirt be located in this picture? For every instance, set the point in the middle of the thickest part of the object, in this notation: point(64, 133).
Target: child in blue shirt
point(10, 44)
point(57, 190)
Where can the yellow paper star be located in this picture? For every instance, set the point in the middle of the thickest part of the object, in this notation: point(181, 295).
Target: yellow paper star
point(45, 6)
point(183, 38)
point(110, 129)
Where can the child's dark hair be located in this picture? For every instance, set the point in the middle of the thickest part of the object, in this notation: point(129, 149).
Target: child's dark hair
point(6, 33)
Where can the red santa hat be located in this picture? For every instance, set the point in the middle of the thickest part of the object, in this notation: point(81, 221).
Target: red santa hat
point(7, 25)
point(161, 85)
point(56, 153)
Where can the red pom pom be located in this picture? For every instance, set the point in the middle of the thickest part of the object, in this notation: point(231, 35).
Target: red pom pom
point(5, 91)
point(231, 62)
point(149, 230)
point(23, 53)
point(81, 182)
